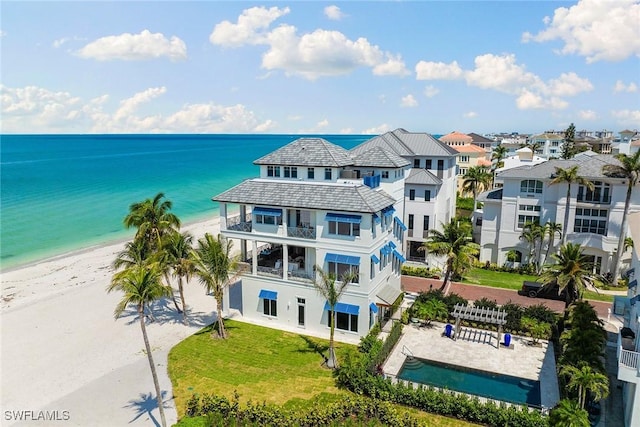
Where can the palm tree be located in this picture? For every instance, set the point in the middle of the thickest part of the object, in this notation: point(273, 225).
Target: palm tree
point(456, 243)
point(498, 156)
point(584, 379)
point(141, 285)
point(476, 179)
point(552, 228)
point(572, 272)
point(629, 169)
point(217, 269)
point(569, 176)
point(628, 244)
point(568, 413)
point(331, 291)
point(533, 233)
point(152, 219)
point(179, 254)
point(432, 309)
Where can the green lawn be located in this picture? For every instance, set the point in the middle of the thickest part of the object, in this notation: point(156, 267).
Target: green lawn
point(262, 364)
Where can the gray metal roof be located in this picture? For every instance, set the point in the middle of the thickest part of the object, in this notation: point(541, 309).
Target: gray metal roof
point(308, 152)
point(495, 194)
point(422, 176)
point(479, 138)
point(588, 167)
point(407, 144)
point(303, 195)
point(379, 157)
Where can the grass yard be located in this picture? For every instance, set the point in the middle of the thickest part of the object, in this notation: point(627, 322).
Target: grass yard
point(261, 364)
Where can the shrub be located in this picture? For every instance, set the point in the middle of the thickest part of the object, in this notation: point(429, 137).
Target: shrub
point(485, 303)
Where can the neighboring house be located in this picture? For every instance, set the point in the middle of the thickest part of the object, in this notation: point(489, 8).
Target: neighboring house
point(469, 156)
point(550, 145)
point(523, 157)
point(317, 204)
point(627, 143)
point(430, 186)
point(456, 138)
point(629, 336)
point(527, 196)
point(483, 142)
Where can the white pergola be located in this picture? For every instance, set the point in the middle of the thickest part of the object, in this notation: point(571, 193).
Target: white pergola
point(494, 316)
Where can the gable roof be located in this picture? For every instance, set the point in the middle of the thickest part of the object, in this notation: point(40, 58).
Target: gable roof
point(456, 136)
point(379, 157)
point(305, 195)
point(479, 138)
point(308, 152)
point(407, 144)
point(422, 177)
point(469, 148)
point(588, 166)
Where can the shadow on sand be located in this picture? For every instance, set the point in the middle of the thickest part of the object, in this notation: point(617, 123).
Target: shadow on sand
point(164, 312)
point(146, 404)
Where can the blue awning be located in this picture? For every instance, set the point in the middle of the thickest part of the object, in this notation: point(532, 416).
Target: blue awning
point(373, 308)
point(376, 219)
point(633, 284)
point(388, 211)
point(343, 308)
point(629, 272)
point(399, 256)
point(342, 259)
point(400, 223)
point(265, 294)
point(635, 299)
point(385, 250)
point(267, 211)
point(352, 219)
point(391, 245)
point(375, 259)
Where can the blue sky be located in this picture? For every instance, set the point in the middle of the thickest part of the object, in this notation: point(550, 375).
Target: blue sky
point(319, 67)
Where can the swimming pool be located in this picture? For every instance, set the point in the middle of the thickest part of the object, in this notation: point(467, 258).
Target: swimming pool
point(479, 383)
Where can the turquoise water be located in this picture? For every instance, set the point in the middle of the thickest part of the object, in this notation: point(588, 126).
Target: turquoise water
point(66, 192)
point(479, 383)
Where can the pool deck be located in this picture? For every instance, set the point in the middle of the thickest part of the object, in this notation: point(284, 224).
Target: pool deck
point(477, 349)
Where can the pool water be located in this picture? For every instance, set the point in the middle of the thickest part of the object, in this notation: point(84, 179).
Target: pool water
point(479, 383)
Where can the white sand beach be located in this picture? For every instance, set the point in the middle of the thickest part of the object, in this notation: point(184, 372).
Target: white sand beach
point(63, 352)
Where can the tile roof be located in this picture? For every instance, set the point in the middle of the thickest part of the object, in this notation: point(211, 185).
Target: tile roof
point(469, 148)
point(305, 195)
point(456, 136)
point(308, 152)
point(588, 166)
point(479, 138)
point(407, 144)
point(422, 176)
point(379, 157)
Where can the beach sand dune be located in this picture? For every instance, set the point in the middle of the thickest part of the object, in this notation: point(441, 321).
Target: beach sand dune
point(64, 353)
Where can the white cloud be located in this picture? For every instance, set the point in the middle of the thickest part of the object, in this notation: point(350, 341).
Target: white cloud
point(346, 131)
point(135, 47)
point(408, 101)
point(587, 115)
point(58, 43)
point(598, 30)
point(394, 66)
point(438, 71)
point(377, 130)
point(621, 87)
point(529, 100)
point(470, 115)
point(334, 13)
point(322, 124)
point(2, 33)
point(501, 73)
point(430, 91)
point(568, 84)
point(627, 117)
point(249, 29)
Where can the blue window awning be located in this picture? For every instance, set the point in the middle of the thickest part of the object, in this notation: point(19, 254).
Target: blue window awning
point(400, 223)
point(633, 284)
point(376, 219)
point(391, 245)
point(629, 272)
point(635, 299)
point(267, 211)
point(343, 308)
point(388, 211)
point(351, 219)
point(373, 308)
point(385, 250)
point(375, 259)
point(342, 259)
point(399, 256)
point(265, 294)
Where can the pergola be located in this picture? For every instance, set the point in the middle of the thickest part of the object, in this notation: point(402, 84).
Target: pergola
point(494, 316)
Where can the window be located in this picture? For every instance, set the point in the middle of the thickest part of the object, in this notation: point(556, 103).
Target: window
point(385, 174)
point(416, 163)
point(267, 216)
point(290, 172)
point(273, 171)
point(462, 171)
point(440, 168)
point(531, 186)
point(345, 321)
point(427, 164)
point(601, 193)
point(591, 221)
point(412, 194)
point(270, 307)
point(529, 214)
point(530, 208)
point(425, 223)
point(301, 305)
point(311, 173)
point(327, 174)
point(338, 269)
point(464, 159)
point(344, 225)
point(427, 195)
point(526, 219)
point(410, 225)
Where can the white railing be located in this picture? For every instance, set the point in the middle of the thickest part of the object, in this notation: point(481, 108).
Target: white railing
point(629, 358)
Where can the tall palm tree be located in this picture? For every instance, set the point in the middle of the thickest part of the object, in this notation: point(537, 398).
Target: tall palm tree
point(569, 176)
point(455, 242)
point(533, 233)
point(572, 271)
point(552, 228)
point(217, 268)
point(584, 379)
point(475, 180)
point(497, 159)
point(141, 285)
point(152, 219)
point(331, 290)
point(568, 413)
point(180, 257)
point(629, 169)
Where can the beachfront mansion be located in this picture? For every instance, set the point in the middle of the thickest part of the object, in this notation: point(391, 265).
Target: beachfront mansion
point(316, 204)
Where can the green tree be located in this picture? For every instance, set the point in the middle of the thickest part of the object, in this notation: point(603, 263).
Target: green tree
point(216, 269)
point(569, 176)
point(629, 170)
point(568, 413)
point(475, 180)
point(455, 242)
point(153, 219)
point(331, 290)
point(180, 258)
point(584, 379)
point(538, 329)
point(572, 272)
point(568, 147)
point(497, 159)
point(533, 233)
point(432, 309)
point(141, 285)
point(628, 243)
point(551, 228)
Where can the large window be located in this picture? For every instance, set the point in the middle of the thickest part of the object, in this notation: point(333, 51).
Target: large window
point(528, 214)
point(267, 216)
point(601, 193)
point(338, 269)
point(591, 221)
point(273, 171)
point(270, 307)
point(344, 225)
point(531, 186)
point(290, 172)
point(345, 321)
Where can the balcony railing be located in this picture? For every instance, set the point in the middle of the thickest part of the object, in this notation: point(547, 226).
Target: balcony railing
point(234, 223)
point(302, 232)
point(629, 358)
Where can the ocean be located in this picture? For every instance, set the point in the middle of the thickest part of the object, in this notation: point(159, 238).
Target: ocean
point(61, 193)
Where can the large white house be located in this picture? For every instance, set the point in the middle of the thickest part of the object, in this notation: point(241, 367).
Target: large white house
point(595, 217)
point(316, 204)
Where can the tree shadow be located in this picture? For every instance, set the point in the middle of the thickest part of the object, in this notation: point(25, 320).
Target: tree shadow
point(164, 312)
point(213, 328)
point(314, 347)
point(145, 404)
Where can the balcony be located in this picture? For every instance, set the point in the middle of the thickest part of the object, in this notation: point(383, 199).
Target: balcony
point(234, 223)
point(302, 232)
point(628, 360)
